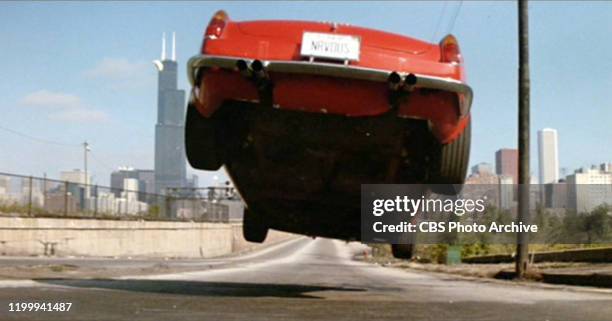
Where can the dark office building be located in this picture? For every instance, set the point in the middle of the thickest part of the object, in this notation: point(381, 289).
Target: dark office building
point(506, 163)
point(170, 160)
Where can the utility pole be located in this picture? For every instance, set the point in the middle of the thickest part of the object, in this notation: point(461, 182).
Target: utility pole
point(44, 190)
point(86, 149)
point(522, 246)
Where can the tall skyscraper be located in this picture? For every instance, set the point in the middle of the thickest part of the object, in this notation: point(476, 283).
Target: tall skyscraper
point(548, 156)
point(506, 163)
point(170, 161)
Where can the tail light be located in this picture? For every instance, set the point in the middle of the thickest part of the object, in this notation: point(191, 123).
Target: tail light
point(449, 50)
point(215, 26)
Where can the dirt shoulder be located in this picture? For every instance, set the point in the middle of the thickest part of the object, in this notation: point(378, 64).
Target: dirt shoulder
point(569, 273)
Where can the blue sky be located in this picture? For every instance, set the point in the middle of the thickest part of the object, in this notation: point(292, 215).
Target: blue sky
point(76, 71)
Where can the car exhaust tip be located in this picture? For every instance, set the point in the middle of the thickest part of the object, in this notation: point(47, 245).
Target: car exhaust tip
point(257, 66)
point(411, 80)
point(395, 81)
point(258, 69)
point(242, 65)
point(243, 68)
point(394, 78)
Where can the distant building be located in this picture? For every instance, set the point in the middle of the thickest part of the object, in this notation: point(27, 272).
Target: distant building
point(482, 179)
point(589, 188)
point(482, 184)
point(106, 203)
point(213, 204)
point(7, 194)
point(5, 183)
point(482, 168)
point(76, 176)
point(507, 192)
point(170, 159)
point(555, 195)
point(130, 189)
point(129, 203)
point(57, 202)
point(77, 188)
point(535, 194)
point(548, 156)
point(506, 163)
point(145, 178)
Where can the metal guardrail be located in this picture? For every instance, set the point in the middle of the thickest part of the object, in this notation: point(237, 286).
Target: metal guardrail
point(29, 196)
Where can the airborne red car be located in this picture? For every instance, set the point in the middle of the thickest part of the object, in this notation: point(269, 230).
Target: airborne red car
point(302, 113)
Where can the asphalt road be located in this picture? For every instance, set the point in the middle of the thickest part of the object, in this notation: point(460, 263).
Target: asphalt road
point(302, 279)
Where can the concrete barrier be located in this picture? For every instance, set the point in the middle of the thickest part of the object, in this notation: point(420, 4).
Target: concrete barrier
point(109, 238)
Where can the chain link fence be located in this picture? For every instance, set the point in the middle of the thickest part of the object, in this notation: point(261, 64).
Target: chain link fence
point(30, 196)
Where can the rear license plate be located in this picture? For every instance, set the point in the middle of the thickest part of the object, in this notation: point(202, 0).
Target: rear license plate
point(330, 46)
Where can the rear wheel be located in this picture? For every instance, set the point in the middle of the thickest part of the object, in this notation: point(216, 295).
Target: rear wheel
point(202, 140)
point(453, 164)
point(254, 227)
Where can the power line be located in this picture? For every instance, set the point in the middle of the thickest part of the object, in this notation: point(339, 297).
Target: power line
point(95, 157)
point(452, 24)
point(453, 18)
point(435, 32)
point(100, 162)
point(37, 139)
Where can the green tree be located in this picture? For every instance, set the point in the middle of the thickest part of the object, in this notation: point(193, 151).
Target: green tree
point(596, 224)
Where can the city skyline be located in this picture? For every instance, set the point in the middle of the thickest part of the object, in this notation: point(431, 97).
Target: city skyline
point(98, 84)
point(505, 167)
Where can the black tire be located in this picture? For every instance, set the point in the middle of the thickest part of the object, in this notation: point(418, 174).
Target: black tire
point(406, 247)
point(453, 164)
point(254, 228)
point(402, 251)
point(202, 141)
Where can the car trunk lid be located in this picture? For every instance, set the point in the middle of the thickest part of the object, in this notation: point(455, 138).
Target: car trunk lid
point(293, 30)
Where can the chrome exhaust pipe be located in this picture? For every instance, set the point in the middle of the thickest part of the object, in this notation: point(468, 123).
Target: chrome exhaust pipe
point(243, 67)
point(259, 70)
point(395, 81)
point(410, 80)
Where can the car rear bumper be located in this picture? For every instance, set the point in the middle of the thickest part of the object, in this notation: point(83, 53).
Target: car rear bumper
point(463, 91)
point(329, 88)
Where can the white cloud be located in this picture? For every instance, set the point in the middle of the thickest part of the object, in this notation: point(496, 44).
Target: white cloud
point(120, 73)
point(64, 107)
point(80, 115)
point(46, 98)
point(117, 68)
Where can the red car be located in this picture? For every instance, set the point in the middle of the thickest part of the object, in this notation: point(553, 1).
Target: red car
point(302, 113)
